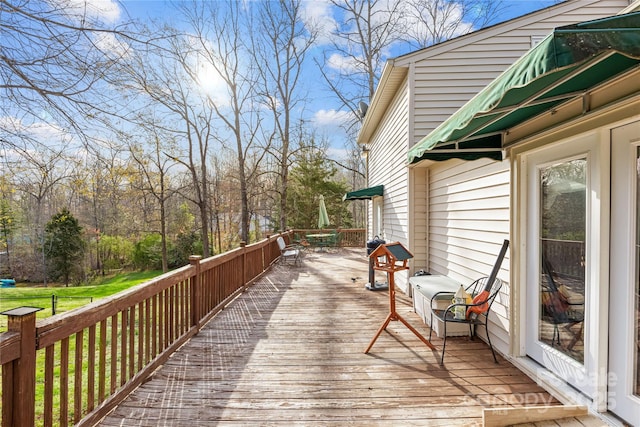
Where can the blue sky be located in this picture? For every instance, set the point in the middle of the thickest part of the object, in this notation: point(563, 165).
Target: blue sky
point(323, 109)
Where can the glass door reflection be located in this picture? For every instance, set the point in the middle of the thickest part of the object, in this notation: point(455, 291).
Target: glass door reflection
point(563, 192)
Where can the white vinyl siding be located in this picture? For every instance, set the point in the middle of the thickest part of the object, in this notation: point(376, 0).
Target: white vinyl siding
point(419, 221)
point(468, 222)
point(388, 168)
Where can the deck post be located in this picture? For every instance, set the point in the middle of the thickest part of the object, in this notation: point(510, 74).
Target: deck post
point(243, 245)
point(266, 254)
point(196, 291)
point(19, 391)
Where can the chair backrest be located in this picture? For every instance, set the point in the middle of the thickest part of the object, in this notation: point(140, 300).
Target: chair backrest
point(554, 303)
point(281, 243)
point(478, 286)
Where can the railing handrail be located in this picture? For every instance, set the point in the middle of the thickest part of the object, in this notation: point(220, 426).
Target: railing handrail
point(52, 329)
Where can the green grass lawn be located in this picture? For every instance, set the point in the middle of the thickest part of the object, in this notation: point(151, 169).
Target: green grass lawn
point(68, 298)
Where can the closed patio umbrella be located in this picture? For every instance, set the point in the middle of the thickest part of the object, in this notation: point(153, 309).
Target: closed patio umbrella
point(323, 217)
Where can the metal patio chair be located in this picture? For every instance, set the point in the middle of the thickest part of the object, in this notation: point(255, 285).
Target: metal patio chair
point(557, 309)
point(483, 293)
point(289, 252)
point(473, 319)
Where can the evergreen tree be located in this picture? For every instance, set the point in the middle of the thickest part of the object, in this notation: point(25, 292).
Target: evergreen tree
point(64, 247)
point(312, 176)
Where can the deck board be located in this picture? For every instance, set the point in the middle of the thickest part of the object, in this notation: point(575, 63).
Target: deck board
point(290, 351)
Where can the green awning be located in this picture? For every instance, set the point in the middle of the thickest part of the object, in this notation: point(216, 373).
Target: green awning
point(365, 193)
point(565, 65)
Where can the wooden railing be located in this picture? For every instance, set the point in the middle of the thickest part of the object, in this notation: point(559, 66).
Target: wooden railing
point(349, 237)
point(75, 367)
point(566, 256)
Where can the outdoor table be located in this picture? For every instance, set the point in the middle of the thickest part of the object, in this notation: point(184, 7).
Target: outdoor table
point(320, 239)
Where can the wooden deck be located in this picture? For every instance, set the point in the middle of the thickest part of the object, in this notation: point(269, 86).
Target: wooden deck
point(290, 351)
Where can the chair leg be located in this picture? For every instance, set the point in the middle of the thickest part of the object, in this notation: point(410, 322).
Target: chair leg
point(431, 327)
point(556, 336)
point(444, 344)
point(486, 328)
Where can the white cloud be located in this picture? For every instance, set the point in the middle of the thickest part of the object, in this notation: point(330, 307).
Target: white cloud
point(105, 10)
point(45, 133)
point(318, 15)
point(344, 64)
point(332, 124)
point(108, 43)
point(331, 118)
point(339, 154)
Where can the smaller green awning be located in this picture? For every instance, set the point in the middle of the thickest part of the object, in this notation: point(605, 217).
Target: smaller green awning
point(365, 193)
point(566, 65)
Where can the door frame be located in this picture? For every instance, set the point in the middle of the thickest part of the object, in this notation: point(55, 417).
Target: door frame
point(621, 332)
point(596, 145)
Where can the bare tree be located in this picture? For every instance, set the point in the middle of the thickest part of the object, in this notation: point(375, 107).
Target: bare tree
point(434, 21)
point(153, 166)
point(367, 30)
point(168, 78)
point(37, 176)
point(53, 60)
point(361, 39)
point(219, 32)
point(281, 43)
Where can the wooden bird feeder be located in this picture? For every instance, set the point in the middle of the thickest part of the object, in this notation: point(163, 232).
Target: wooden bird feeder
point(393, 257)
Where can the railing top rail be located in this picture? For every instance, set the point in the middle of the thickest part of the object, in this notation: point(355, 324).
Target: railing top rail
point(9, 346)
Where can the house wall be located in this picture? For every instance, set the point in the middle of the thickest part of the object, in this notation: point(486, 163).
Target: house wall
point(388, 168)
point(440, 80)
point(468, 222)
point(444, 77)
point(465, 205)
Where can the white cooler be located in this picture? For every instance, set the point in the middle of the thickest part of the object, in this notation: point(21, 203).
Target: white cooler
point(423, 288)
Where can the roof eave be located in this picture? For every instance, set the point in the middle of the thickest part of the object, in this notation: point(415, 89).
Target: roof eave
point(388, 85)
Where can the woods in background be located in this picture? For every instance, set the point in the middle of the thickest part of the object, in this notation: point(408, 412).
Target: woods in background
point(191, 132)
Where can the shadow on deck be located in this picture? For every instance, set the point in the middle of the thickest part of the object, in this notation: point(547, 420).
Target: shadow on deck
point(290, 351)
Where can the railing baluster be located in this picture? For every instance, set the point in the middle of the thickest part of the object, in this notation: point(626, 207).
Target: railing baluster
point(114, 354)
point(172, 318)
point(77, 381)
point(132, 337)
point(49, 356)
point(123, 346)
point(102, 368)
point(166, 318)
point(156, 323)
point(147, 330)
point(91, 368)
point(64, 381)
point(141, 335)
